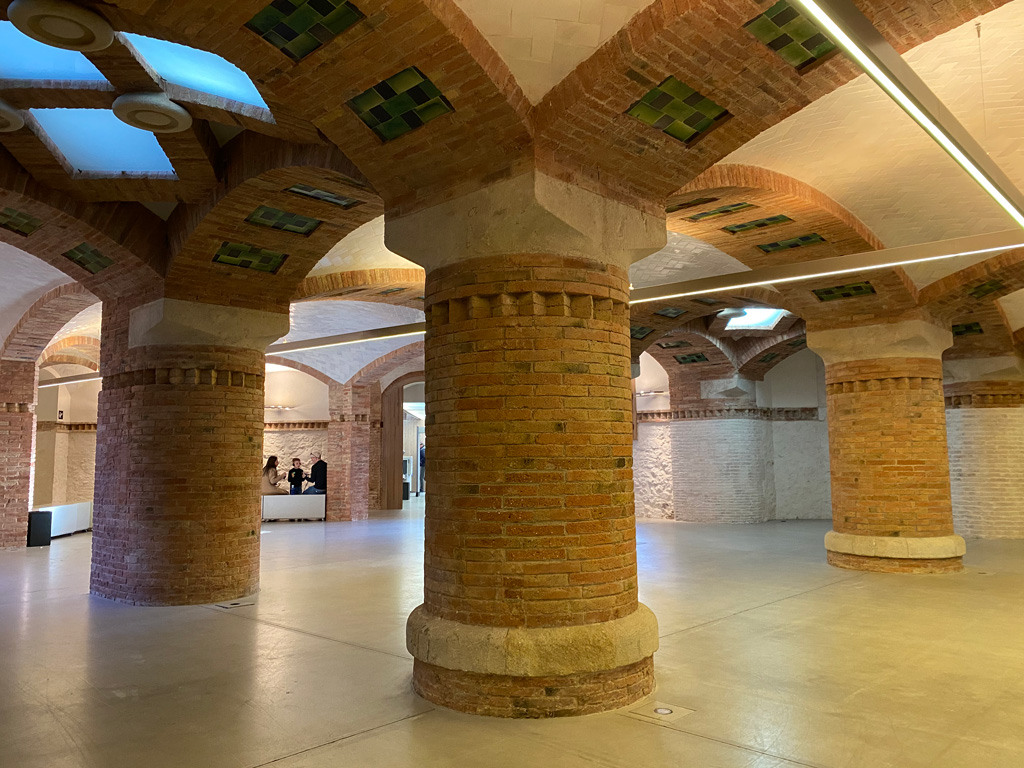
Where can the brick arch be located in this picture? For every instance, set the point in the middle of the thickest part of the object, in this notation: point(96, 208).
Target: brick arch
point(309, 371)
point(366, 285)
point(384, 364)
point(127, 233)
point(82, 346)
point(59, 359)
point(762, 354)
point(44, 320)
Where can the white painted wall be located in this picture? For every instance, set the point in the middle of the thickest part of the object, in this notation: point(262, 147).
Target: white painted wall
point(652, 471)
point(305, 394)
point(652, 378)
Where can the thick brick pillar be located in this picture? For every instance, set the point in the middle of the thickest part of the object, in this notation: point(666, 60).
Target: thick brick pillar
point(17, 449)
point(530, 599)
point(348, 450)
point(176, 515)
point(891, 508)
point(985, 425)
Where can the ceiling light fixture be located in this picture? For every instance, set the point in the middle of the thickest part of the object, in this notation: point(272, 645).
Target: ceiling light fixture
point(10, 118)
point(836, 265)
point(358, 337)
point(61, 24)
point(81, 379)
point(857, 36)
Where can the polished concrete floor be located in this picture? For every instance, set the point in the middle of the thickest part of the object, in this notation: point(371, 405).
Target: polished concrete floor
point(769, 658)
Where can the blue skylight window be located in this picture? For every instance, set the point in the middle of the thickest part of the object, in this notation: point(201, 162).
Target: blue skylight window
point(22, 58)
point(95, 140)
point(198, 70)
point(755, 319)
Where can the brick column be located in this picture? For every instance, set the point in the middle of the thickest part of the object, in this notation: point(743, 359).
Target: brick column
point(530, 598)
point(176, 516)
point(17, 449)
point(348, 448)
point(985, 424)
point(891, 508)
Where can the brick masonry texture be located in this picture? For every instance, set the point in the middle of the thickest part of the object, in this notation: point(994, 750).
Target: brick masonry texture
point(17, 449)
point(986, 443)
point(176, 514)
point(894, 564)
point(526, 697)
point(887, 442)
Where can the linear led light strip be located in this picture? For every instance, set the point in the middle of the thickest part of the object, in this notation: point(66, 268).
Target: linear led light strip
point(838, 14)
point(836, 265)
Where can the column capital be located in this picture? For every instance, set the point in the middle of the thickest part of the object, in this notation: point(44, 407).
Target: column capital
point(530, 213)
point(173, 322)
point(984, 369)
point(917, 338)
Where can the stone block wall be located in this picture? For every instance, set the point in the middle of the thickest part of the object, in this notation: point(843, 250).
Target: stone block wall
point(288, 444)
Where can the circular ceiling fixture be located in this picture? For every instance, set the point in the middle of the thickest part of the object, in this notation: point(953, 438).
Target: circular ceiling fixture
point(10, 118)
point(152, 112)
point(61, 24)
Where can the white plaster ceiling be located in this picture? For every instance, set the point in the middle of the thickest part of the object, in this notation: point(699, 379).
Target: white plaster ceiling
point(683, 258)
point(856, 146)
point(24, 279)
point(542, 41)
point(363, 248)
point(85, 323)
point(312, 319)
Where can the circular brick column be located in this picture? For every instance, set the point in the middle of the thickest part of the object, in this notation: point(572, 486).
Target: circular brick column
point(176, 513)
point(530, 605)
point(891, 508)
point(986, 442)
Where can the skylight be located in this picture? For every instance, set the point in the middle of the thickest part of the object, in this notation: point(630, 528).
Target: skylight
point(22, 58)
point(755, 319)
point(195, 69)
point(95, 140)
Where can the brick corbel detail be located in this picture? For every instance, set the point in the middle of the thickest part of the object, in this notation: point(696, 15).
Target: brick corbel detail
point(985, 394)
point(17, 449)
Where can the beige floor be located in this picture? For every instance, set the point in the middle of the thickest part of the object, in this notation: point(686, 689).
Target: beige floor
point(783, 661)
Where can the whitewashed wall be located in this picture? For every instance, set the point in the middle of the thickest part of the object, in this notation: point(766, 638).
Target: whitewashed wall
point(652, 471)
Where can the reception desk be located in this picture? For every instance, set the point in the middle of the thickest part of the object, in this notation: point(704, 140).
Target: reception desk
point(312, 507)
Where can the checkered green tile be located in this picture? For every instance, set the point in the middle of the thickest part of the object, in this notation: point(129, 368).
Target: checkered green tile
point(296, 223)
point(797, 343)
point(88, 258)
point(299, 27)
point(400, 104)
point(18, 222)
point(968, 329)
point(723, 210)
point(795, 38)
point(678, 110)
point(691, 204)
point(983, 290)
point(674, 344)
point(249, 257)
point(750, 226)
point(794, 242)
point(769, 357)
point(671, 312)
point(707, 302)
point(695, 357)
point(323, 195)
point(851, 291)
point(390, 291)
point(639, 331)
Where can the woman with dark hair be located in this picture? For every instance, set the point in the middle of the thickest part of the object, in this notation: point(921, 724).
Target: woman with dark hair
point(271, 477)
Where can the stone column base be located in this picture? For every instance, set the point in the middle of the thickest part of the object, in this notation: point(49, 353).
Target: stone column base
point(895, 554)
point(533, 671)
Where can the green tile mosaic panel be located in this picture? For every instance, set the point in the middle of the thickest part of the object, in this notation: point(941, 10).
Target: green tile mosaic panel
point(983, 290)
point(249, 257)
point(794, 37)
point(691, 204)
point(18, 222)
point(851, 291)
point(794, 242)
point(706, 301)
point(750, 226)
point(324, 196)
point(674, 344)
point(678, 110)
point(797, 343)
point(400, 104)
point(695, 357)
point(390, 291)
point(671, 312)
point(968, 329)
point(639, 331)
point(88, 258)
point(299, 27)
point(275, 218)
point(721, 211)
point(769, 357)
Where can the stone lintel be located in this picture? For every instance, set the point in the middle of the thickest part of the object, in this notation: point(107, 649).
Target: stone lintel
point(532, 651)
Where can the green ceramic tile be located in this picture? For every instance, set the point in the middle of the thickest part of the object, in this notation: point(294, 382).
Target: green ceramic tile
point(750, 226)
point(983, 290)
point(639, 332)
point(851, 291)
point(674, 344)
point(797, 343)
point(707, 302)
point(400, 104)
point(794, 37)
point(672, 312)
point(323, 195)
point(968, 329)
point(249, 257)
point(296, 223)
point(678, 110)
point(18, 222)
point(769, 357)
point(88, 258)
point(691, 204)
point(723, 210)
point(299, 27)
point(696, 357)
point(793, 242)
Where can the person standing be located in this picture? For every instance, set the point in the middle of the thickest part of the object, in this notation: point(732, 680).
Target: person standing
point(317, 475)
point(271, 477)
point(423, 463)
point(295, 477)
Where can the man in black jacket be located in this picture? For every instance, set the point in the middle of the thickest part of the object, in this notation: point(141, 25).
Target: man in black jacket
point(317, 475)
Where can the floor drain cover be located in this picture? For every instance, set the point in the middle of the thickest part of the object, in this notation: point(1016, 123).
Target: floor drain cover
point(660, 711)
point(238, 604)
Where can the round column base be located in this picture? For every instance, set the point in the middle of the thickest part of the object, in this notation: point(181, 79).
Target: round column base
point(895, 554)
point(534, 697)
